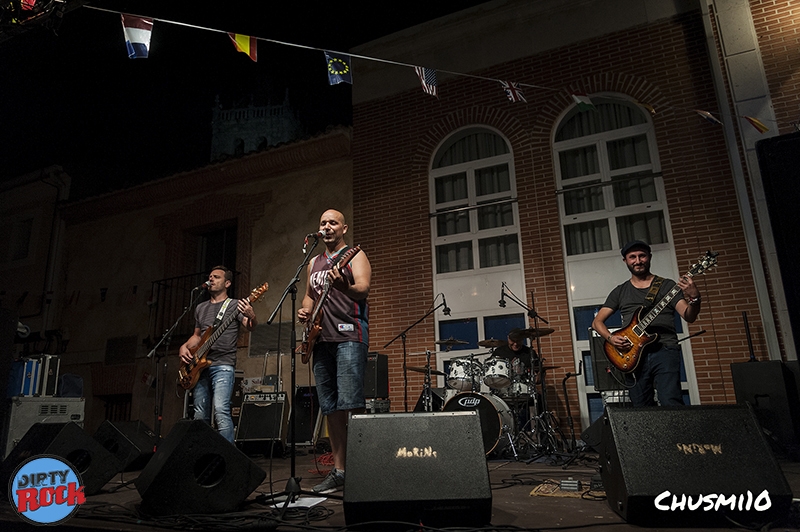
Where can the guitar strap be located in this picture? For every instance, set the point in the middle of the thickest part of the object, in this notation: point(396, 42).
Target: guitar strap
point(655, 286)
point(221, 313)
point(336, 258)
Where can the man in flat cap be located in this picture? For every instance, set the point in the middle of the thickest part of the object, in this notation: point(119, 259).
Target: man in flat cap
point(659, 364)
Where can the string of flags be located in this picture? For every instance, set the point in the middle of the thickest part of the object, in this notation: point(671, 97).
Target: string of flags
point(138, 30)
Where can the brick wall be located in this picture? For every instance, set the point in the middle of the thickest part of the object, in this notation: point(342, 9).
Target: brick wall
point(663, 64)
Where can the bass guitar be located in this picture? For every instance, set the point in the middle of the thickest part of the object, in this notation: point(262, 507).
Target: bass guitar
point(314, 325)
point(638, 338)
point(189, 373)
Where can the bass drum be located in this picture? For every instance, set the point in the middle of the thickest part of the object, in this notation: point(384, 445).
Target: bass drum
point(494, 415)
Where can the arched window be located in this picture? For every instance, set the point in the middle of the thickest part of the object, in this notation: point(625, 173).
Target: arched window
point(475, 234)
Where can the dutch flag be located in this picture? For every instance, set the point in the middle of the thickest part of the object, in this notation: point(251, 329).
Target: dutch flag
point(137, 35)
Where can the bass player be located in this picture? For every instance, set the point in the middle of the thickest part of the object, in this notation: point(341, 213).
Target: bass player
point(215, 385)
point(340, 352)
point(660, 363)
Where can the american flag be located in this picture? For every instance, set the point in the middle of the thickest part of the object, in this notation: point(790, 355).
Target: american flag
point(427, 77)
point(513, 91)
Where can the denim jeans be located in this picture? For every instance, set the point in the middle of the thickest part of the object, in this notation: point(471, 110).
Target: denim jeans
point(216, 382)
point(660, 369)
point(339, 372)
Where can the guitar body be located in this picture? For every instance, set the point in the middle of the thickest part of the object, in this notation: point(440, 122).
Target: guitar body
point(189, 374)
point(626, 361)
point(314, 326)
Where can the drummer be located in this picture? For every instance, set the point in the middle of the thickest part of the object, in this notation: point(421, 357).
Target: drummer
point(516, 349)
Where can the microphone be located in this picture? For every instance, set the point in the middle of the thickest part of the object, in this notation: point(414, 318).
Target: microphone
point(502, 301)
point(446, 309)
point(318, 234)
point(206, 284)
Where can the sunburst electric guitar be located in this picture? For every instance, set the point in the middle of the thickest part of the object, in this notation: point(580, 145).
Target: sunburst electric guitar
point(638, 338)
point(314, 324)
point(189, 374)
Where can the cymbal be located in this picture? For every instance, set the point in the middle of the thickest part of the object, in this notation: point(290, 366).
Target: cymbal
point(492, 343)
point(535, 333)
point(451, 341)
point(425, 370)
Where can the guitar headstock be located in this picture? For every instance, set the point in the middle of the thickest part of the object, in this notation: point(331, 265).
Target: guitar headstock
point(257, 292)
point(705, 262)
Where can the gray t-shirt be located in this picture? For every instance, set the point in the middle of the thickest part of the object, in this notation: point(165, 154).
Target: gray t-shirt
point(628, 299)
point(223, 350)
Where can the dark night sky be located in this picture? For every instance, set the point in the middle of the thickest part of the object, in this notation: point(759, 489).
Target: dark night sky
point(76, 100)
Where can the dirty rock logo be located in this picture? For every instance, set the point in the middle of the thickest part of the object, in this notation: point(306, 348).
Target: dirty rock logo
point(45, 490)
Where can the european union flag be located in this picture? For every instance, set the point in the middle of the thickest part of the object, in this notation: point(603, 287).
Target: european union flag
point(338, 68)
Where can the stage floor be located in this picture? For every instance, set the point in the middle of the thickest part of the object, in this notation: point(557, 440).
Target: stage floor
point(513, 505)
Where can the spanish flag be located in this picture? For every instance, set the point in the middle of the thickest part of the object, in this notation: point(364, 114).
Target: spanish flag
point(756, 123)
point(244, 43)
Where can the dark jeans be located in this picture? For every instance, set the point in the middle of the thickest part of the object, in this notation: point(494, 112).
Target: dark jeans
point(660, 370)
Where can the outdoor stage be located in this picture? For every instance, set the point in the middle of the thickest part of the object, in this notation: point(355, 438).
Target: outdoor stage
point(514, 507)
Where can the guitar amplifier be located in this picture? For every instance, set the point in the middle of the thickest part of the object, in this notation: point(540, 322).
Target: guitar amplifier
point(263, 417)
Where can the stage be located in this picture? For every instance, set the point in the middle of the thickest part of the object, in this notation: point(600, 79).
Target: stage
point(513, 506)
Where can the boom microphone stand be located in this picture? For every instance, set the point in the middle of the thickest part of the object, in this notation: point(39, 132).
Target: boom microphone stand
point(293, 488)
point(403, 336)
point(160, 383)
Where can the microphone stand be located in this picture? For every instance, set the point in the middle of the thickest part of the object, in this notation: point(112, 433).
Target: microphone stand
point(403, 336)
point(293, 484)
point(159, 381)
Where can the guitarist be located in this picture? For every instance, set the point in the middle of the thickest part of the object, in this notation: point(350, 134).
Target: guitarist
point(660, 362)
point(340, 352)
point(215, 385)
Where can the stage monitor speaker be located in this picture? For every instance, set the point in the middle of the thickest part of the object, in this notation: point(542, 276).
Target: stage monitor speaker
point(394, 461)
point(69, 441)
point(376, 377)
point(131, 442)
point(264, 420)
point(196, 471)
point(656, 457)
point(306, 411)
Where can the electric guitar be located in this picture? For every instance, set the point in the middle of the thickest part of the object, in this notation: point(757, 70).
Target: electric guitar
point(638, 338)
point(189, 374)
point(314, 324)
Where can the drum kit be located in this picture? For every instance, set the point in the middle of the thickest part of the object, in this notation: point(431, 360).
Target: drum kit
point(511, 412)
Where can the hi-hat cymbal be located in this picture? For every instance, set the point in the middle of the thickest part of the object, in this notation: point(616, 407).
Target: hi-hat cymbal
point(425, 370)
point(491, 342)
point(535, 333)
point(451, 341)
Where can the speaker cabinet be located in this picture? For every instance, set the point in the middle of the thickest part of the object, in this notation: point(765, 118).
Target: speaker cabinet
point(652, 457)
point(376, 377)
point(263, 417)
point(395, 463)
point(69, 441)
point(131, 442)
point(196, 471)
point(770, 389)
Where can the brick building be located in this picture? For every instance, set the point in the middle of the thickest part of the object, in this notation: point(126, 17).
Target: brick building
point(536, 198)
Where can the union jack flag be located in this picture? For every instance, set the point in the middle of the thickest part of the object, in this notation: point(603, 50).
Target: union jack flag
point(513, 91)
point(427, 77)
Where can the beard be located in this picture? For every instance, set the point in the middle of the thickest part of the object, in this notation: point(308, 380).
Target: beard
point(640, 270)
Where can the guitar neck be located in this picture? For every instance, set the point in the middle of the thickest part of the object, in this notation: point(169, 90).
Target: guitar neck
point(226, 322)
point(655, 311)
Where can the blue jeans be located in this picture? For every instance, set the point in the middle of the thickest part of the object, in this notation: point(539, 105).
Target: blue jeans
point(339, 372)
point(216, 382)
point(660, 369)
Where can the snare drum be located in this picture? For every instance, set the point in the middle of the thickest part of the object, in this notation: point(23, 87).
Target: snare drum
point(464, 374)
point(496, 373)
point(517, 390)
point(494, 415)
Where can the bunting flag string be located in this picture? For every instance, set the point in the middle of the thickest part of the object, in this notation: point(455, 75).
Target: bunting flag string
point(339, 69)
